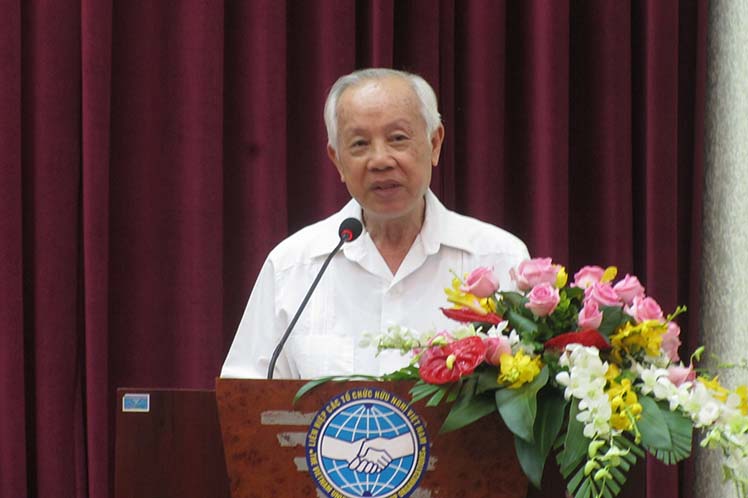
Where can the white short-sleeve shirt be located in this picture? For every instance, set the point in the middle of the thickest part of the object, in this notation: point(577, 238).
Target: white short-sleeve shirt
point(358, 293)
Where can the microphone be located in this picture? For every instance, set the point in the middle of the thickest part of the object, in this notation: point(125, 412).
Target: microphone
point(348, 231)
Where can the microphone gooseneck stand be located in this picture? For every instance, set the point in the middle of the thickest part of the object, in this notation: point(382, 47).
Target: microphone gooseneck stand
point(349, 230)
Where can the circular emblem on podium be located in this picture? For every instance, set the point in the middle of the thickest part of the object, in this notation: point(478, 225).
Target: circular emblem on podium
point(367, 442)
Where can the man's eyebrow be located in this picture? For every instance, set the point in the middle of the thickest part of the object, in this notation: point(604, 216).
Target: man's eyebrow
point(401, 123)
point(360, 130)
point(347, 132)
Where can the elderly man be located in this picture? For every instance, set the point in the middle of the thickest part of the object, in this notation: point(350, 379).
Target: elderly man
point(384, 136)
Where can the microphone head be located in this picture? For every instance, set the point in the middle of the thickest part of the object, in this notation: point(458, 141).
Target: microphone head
point(350, 229)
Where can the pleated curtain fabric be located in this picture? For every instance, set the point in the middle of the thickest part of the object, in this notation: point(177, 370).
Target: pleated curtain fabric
point(152, 153)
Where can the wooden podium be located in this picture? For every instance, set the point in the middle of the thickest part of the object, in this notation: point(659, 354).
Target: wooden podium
point(175, 450)
point(264, 440)
point(170, 448)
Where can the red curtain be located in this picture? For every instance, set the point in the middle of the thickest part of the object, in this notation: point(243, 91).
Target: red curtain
point(153, 152)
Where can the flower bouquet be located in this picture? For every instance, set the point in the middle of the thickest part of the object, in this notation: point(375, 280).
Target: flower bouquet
point(588, 369)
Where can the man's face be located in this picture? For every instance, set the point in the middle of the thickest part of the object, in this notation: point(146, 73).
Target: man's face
point(384, 156)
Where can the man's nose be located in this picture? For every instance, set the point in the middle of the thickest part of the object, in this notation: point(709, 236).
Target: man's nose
point(381, 157)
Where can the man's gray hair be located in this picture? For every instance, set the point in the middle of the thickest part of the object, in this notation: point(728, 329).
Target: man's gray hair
point(422, 89)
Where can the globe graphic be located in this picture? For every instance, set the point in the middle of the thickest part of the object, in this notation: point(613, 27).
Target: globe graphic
point(366, 420)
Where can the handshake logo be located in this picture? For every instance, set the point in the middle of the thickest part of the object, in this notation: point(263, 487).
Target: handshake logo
point(367, 443)
point(368, 455)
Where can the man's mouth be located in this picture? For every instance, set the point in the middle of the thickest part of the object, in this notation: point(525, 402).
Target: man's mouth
point(385, 185)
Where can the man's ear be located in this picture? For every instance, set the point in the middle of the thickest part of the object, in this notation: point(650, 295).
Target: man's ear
point(437, 138)
point(333, 155)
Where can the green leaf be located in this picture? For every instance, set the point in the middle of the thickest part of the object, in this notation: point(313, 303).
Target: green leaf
point(524, 326)
point(619, 476)
point(574, 293)
point(487, 381)
point(581, 486)
point(333, 378)
point(585, 490)
point(438, 395)
point(309, 386)
point(652, 425)
point(544, 332)
point(453, 393)
point(574, 482)
point(679, 431)
point(422, 390)
point(513, 299)
point(519, 406)
point(634, 449)
point(563, 318)
point(550, 416)
point(467, 410)
point(614, 486)
point(530, 460)
point(575, 444)
point(406, 373)
point(549, 419)
point(613, 317)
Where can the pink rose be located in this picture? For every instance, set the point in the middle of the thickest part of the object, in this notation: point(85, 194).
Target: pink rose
point(481, 282)
point(671, 341)
point(495, 347)
point(643, 309)
point(602, 294)
point(629, 288)
point(543, 299)
point(588, 275)
point(532, 272)
point(590, 317)
point(678, 374)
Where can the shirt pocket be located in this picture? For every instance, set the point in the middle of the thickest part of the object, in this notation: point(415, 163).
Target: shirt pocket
point(320, 355)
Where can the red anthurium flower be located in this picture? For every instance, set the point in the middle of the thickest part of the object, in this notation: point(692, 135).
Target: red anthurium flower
point(443, 364)
point(465, 315)
point(585, 338)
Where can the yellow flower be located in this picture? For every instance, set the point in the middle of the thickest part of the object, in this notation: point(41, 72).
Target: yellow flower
point(634, 338)
point(561, 277)
point(713, 385)
point(623, 400)
point(518, 369)
point(613, 372)
point(609, 274)
point(742, 392)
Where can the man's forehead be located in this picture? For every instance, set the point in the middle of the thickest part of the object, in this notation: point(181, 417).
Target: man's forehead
point(387, 83)
point(391, 97)
point(386, 90)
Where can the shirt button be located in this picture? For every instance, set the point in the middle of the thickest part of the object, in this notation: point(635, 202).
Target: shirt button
point(396, 291)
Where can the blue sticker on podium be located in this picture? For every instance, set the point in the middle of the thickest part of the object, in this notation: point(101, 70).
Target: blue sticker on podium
point(132, 402)
point(367, 443)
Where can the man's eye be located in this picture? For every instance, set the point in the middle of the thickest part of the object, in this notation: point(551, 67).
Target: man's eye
point(358, 143)
point(399, 137)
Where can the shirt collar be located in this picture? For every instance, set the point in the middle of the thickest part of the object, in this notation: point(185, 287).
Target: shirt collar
point(440, 227)
point(328, 239)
